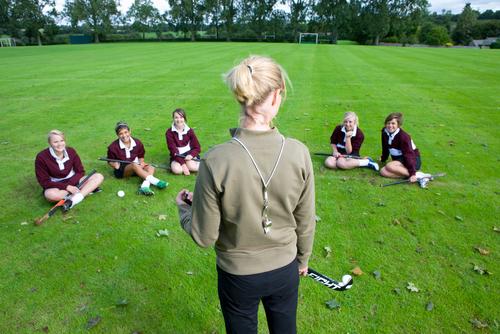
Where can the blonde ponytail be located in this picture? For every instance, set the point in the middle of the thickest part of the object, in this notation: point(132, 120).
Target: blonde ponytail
point(252, 80)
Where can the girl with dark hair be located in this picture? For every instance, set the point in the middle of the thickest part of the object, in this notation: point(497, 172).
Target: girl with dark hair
point(128, 148)
point(405, 155)
point(182, 144)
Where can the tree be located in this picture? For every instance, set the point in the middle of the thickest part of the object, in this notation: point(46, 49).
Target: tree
point(29, 16)
point(375, 16)
point(434, 34)
point(187, 14)
point(406, 18)
point(144, 16)
point(97, 14)
point(487, 28)
point(332, 15)
point(229, 12)
point(487, 15)
point(465, 24)
point(259, 14)
point(299, 10)
point(213, 12)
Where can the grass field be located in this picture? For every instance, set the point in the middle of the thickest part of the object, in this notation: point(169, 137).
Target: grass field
point(102, 267)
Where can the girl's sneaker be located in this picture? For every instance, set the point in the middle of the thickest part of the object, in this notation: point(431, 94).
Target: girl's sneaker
point(373, 165)
point(145, 191)
point(162, 184)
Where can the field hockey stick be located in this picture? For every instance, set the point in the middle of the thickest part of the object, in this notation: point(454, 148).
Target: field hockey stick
point(131, 162)
point(408, 180)
point(184, 155)
point(59, 204)
point(329, 282)
point(347, 156)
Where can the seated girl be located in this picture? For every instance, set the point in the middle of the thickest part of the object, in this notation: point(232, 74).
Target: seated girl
point(127, 148)
point(405, 155)
point(346, 141)
point(59, 169)
point(183, 145)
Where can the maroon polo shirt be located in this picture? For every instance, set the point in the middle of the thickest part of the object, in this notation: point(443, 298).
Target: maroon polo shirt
point(402, 142)
point(338, 137)
point(173, 144)
point(47, 168)
point(115, 152)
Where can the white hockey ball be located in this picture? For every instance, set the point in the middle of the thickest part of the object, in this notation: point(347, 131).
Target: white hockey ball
point(120, 193)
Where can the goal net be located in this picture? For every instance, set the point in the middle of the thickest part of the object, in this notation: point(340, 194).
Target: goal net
point(4, 42)
point(308, 38)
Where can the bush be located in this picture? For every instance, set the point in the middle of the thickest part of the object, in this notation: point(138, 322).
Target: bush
point(434, 35)
point(391, 39)
point(495, 45)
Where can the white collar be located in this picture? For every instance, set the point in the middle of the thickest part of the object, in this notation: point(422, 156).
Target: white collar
point(180, 133)
point(124, 147)
point(391, 135)
point(60, 162)
point(354, 131)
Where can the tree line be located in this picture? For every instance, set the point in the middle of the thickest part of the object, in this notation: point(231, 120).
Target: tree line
point(364, 21)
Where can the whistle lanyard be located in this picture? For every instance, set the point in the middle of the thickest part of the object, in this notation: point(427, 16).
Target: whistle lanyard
point(266, 221)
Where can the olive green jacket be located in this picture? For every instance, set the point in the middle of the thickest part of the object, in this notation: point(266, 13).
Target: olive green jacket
point(228, 202)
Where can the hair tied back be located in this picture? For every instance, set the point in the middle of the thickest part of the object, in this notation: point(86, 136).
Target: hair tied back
point(250, 69)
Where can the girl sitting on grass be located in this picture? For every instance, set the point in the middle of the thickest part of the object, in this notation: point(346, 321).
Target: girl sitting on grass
point(405, 155)
point(131, 149)
point(182, 144)
point(58, 170)
point(346, 139)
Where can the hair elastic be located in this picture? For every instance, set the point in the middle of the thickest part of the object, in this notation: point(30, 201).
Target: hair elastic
point(250, 69)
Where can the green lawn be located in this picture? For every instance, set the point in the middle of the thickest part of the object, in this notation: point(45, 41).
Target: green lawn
point(104, 260)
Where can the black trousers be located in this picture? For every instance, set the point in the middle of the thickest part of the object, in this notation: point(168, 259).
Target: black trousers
point(240, 296)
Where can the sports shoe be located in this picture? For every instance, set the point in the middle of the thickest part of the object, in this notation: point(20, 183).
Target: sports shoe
point(145, 191)
point(162, 184)
point(95, 191)
point(423, 182)
point(421, 175)
point(67, 205)
point(373, 165)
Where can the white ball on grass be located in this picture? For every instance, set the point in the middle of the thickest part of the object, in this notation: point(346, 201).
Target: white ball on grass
point(120, 193)
point(346, 279)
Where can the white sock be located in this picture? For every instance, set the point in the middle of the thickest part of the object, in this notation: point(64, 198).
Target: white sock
point(145, 184)
point(363, 162)
point(154, 181)
point(76, 198)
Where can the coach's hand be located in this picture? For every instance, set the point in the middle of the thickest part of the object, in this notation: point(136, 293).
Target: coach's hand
point(180, 199)
point(303, 271)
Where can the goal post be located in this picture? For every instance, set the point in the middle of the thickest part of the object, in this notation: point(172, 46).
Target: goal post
point(308, 37)
point(7, 41)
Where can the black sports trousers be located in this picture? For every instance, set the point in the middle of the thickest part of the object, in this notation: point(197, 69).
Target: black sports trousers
point(240, 296)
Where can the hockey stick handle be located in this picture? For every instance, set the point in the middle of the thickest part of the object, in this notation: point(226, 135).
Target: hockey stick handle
point(130, 162)
point(85, 179)
point(408, 180)
point(184, 155)
point(395, 183)
point(329, 282)
point(347, 156)
point(117, 160)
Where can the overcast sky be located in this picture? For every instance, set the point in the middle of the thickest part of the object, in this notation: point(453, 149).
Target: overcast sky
point(455, 6)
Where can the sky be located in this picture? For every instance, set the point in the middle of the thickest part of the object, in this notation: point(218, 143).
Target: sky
point(455, 6)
